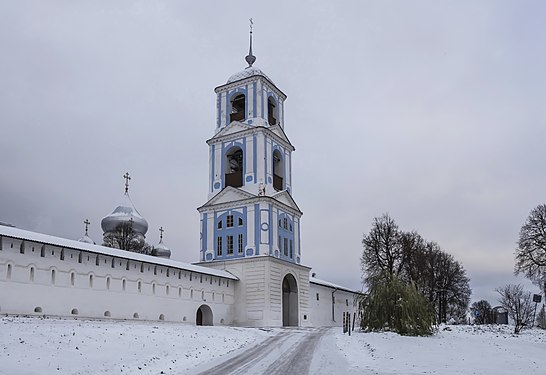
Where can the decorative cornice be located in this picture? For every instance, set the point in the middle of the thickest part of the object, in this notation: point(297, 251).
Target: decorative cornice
point(252, 259)
point(247, 201)
point(234, 84)
point(253, 130)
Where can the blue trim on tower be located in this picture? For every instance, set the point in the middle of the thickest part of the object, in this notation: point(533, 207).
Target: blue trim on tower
point(254, 158)
point(204, 234)
point(218, 110)
point(270, 231)
point(212, 148)
point(265, 160)
point(285, 175)
point(257, 228)
point(228, 110)
point(254, 108)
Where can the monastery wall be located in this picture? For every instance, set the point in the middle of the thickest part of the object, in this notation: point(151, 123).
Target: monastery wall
point(328, 303)
point(38, 278)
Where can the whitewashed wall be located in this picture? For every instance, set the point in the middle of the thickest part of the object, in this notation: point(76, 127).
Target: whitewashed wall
point(259, 290)
point(321, 307)
point(104, 286)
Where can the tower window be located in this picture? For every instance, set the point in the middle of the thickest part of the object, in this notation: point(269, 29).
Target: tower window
point(229, 240)
point(240, 222)
point(271, 111)
point(291, 250)
point(229, 221)
point(285, 223)
point(237, 108)
point(285, 246)
point(219, 246)
point(240, 239)
point(219, 224)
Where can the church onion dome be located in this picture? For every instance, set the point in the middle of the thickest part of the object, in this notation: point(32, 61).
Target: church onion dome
point(125, 213)
point(248, 72)
point(87, 239)
point(161, 250)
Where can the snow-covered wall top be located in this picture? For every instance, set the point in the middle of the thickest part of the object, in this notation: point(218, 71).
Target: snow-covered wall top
point(314, 280)
point(97, 249)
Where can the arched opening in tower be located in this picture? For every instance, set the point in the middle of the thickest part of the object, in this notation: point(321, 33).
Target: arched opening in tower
point(278, 171)
point(237, 108)
point(289, 301)
point(203, 316)
point(271, 111)
point(234, 167)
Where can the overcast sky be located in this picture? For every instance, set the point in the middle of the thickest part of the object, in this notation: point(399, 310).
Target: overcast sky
point(432, 111)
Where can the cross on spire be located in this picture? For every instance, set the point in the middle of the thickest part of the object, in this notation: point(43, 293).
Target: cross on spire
point(86, 222)
point(250, 58)
point(127, 179)
point(161, 230)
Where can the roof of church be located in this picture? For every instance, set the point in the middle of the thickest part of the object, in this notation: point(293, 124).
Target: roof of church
point(247, 72)
point(97, 249)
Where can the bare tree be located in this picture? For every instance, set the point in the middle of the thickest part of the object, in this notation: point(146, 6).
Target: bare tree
point(442, 280)
point(125, 238)
point(531, 251)
point(518, 303)
point(382, 251)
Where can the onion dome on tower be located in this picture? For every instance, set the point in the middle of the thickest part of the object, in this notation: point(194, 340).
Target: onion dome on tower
point(125, 213)
point(161, 250)
point(86, 237)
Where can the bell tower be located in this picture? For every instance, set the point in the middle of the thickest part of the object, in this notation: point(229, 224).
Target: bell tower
point(250, 211)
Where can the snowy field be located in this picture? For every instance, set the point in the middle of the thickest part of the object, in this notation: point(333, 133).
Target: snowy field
point(66, 346)
point(465, 350)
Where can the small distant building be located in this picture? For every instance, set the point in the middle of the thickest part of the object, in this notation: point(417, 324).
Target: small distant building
point(500, 315)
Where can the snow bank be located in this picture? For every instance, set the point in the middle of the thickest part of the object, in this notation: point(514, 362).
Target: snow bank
point(465, 350)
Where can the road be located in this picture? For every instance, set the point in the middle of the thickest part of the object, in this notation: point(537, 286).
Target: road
point(290, 351)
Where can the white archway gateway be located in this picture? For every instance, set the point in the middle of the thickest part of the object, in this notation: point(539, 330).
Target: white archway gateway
point(289, 301)
point(203, 316)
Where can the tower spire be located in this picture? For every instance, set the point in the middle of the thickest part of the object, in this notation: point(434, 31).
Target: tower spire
point(161, 230)
point(86, 222)
point(250, 58)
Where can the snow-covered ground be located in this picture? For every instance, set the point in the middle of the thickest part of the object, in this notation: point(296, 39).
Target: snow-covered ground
point(66, 346)
point(465, 350)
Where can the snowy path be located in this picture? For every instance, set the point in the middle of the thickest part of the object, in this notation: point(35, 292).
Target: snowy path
point(290, 351)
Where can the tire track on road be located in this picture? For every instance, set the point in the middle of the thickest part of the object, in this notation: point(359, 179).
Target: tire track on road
point(298, 359)
point(242, 362)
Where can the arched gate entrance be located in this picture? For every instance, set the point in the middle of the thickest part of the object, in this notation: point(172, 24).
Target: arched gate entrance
point(203, 316)
point(289, 301)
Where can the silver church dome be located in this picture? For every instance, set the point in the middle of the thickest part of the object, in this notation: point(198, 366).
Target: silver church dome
point(161, 250)
point(123, 214)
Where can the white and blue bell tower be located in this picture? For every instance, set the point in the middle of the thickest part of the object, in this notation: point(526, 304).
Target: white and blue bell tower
point(250, 211)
